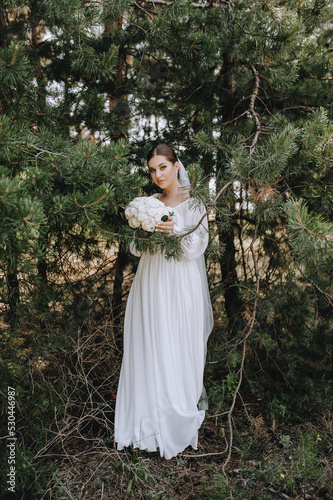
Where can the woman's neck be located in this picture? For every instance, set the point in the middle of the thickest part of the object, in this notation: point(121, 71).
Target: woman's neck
point(174, 195)
point(172, 191)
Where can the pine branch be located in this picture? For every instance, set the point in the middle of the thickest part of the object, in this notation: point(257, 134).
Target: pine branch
point(41, 150)
point(144, 10)
point(328, 298)
point(5, 194)
point(26, 219)
point(93, 203)
point(213, 146)
point(307, 144)
point(13, 60)
point(328, 237)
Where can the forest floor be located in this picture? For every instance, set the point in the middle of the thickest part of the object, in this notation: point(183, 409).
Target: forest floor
point(289, 463)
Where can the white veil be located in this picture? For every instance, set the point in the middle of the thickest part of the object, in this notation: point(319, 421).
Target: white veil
point(208, 311)
point(183, 176)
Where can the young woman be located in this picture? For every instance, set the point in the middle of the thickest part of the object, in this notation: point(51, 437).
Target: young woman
point(167, 323)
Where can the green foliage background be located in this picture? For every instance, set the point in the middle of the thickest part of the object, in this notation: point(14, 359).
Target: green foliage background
point(243, 93)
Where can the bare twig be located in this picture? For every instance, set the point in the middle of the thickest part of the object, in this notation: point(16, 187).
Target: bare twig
point(254, 114)
point(241, 369)
point(205, 454)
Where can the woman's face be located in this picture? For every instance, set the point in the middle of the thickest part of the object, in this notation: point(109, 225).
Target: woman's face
point(163, 172)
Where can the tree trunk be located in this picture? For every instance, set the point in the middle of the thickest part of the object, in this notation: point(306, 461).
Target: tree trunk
point(3, 28)
point(233, 301)
point(42, 267)
point(13, 291)
point(42, 295)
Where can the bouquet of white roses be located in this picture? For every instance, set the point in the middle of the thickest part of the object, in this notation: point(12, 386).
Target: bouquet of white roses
point(146, 212)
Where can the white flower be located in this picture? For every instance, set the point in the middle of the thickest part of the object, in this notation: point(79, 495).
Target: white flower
point(134, 223)
point(143, 201)
point(154, 202)
point(135, 203)
point(141, 215)
point(154, 212)
point(148, 224)
point(130, 211)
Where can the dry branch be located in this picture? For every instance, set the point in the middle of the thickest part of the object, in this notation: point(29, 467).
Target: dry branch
point(241, 369)
point(254, 114)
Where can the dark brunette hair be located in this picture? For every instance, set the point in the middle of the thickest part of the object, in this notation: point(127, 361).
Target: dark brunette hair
point(162, 150)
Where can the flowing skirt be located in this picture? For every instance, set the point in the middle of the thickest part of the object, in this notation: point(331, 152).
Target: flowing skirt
point(161, 377)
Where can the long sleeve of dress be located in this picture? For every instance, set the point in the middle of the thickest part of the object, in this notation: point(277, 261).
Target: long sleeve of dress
point(195, 243)
point(133, 250)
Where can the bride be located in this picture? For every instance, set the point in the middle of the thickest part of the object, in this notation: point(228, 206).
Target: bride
point(167, 323)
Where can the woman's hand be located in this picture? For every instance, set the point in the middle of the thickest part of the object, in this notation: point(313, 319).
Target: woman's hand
point(165, 227)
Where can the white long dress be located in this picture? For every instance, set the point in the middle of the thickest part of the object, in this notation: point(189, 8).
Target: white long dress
point(167, 322)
